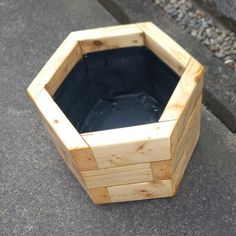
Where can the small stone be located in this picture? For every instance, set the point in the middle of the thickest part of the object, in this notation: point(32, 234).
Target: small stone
point(209, 31)
point(158, 2)
point(213, 47)
point(219, 54)
point(229, 62)
point(206, 42)
point(194, 33)
point(196, 22)
point(188, 6)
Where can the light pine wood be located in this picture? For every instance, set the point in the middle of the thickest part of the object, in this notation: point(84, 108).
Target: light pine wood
point(140, 191)
point(65, 132)
point(108, 38)
point(165, 169)
point(183, 100)
point(56, 69)
point(133, 163)
point(189, 133)
point(117, 175)
point(99, 195)
point(161, 170)
point(187, 149)
point(165, 47)
point(132, 145)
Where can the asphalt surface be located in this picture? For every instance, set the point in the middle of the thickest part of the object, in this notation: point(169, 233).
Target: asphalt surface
point(39, 195)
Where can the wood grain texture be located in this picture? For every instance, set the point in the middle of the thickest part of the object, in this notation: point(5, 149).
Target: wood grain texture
point(64, 131)
point(165, 169)
point(56, 69)
point(132, 145)
point(161, 170)
point(165, 47)
point(133, 163)
point(99, 195)
point(186, 148)
point(183, 100)
point(140, 191)
point(189, 133)
point(108, 38)
point(117, 175)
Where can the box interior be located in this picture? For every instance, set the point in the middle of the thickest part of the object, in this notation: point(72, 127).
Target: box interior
point(116, 88)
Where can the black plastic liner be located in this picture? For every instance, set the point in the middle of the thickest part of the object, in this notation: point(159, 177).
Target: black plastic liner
point(116, 88)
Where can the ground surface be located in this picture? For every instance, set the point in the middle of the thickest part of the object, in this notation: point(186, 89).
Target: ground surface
point(39, 196)
point(224, 10)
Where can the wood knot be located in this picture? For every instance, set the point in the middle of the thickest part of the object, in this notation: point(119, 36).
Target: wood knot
point(97, 43)
point(141, 147)
point(143, 191)
point(56, 121)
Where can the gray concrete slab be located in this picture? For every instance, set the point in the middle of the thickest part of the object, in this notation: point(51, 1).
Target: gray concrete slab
point(39, 195)
point(220, 81)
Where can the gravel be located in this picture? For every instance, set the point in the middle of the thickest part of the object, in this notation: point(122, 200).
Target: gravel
point(220, 40)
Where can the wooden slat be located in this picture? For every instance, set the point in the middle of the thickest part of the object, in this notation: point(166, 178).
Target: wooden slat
point(132, 145)
point(108, 38)
point(99, 195)
point(117, 175)
point(183, 160)
point(165, 169)
point(63, 130)
point(56, 69)
point(183, 100)
point(188, 139)
point(140, 191)
point(165, 47)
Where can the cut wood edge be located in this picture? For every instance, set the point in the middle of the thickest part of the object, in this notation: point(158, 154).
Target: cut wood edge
point(165, 47)
point(161, 170)
point(99, 195)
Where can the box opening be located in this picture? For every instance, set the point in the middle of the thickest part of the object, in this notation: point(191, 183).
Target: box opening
point(116, 88)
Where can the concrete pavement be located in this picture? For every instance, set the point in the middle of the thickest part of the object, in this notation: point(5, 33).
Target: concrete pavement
point(39, 195)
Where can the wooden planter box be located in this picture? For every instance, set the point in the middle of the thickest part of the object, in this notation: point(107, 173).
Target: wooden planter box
point(122, 105)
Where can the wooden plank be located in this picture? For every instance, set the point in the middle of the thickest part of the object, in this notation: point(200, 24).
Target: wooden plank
point(140, 191)
point(63, 130)
point(183, 100)
point(117, 175)
point(165, 169)
point(56, 69)
point(99, 195)
point(65, 154)
point(131, 145)
point(189, 133)
point(108, 38)
point(165, 47)
point(186, 149)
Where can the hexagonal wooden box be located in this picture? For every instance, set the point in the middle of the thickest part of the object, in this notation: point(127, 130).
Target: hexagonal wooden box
point(122, 105)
